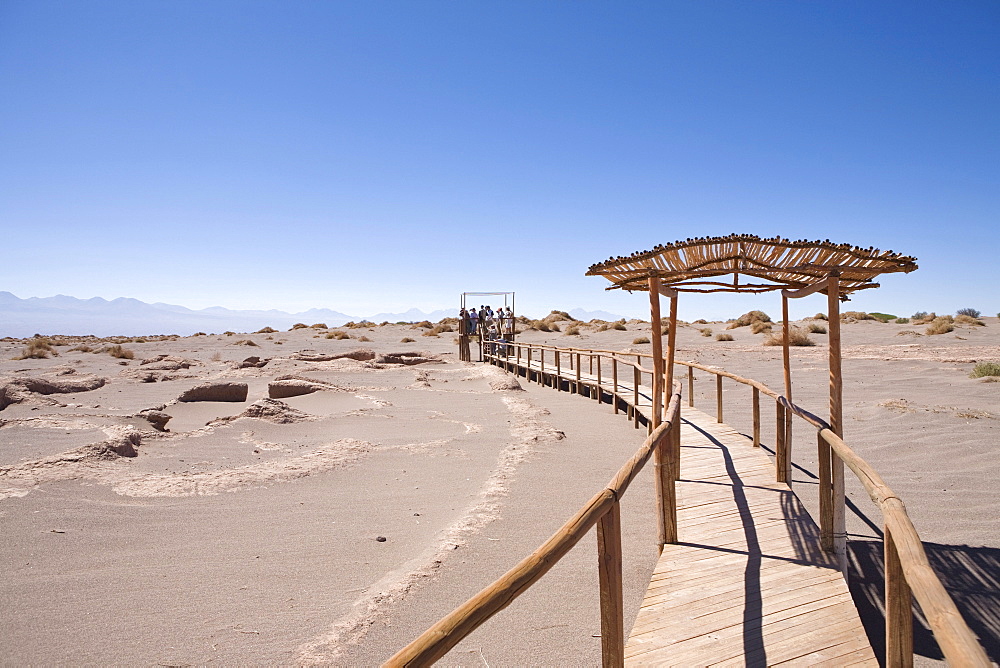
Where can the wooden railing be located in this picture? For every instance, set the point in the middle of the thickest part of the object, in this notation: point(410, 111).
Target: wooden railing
point(908, 573)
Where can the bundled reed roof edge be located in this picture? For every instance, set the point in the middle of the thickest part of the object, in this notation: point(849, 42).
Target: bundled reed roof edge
point(690, 265)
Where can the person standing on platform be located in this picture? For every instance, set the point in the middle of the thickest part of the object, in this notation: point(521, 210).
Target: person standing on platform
point(473, 322)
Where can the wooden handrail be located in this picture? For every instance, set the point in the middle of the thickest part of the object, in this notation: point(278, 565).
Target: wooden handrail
point(956, 639)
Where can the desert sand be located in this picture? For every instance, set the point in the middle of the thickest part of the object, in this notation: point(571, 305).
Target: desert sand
point(333, 526)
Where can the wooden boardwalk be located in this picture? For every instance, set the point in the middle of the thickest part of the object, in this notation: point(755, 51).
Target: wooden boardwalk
point(748, 584)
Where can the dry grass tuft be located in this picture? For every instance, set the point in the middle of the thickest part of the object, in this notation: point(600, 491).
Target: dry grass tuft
point(902, 321)
point(984, 369)
point(817, 329)
point(706, 331)
point(121, 353)
point(298, 325)
point(364, 339)
point(245, 342)
point(266, 330)
point(820, 316)
point(37, 348)
point(216, 357)
point(700, 321)
point(620, 326)
point(641, 339)
point(922, 317)
point(407, 339)
point(749, 318)
point(339, 335)
point(758, 327)
point(854, 316)
point(572, 330)
point(963, 319)
point(796, 337)
point(941, 325)
point(723, 337)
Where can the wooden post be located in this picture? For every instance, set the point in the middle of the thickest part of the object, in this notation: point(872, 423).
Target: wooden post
point(609, 562)
point(718, 398)
point(559, 370)
point(756, 418)
point(837, 421)
point(527, 373)
point(898, 610)
point(691, 386)
point(825, 494)
point(541, 367)
point(600, 390)
point(614, 382)
point(668, 383)
point(579, 390)
point(657, 333)
point(779, 439)
point(635, 396)
point(786, 475)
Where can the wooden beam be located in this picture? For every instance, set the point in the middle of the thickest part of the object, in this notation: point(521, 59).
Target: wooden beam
point(898, 609)
point(657, 333)
point(784, 459)
point(609, 561)
point(837, 423)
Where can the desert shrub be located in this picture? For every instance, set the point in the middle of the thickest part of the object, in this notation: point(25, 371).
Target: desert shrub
point(406, 339)
point(37, 348)
point(560, 315)
point(796, 337)
point(425, 324)
point(266, 330)
point(230, 333)
point(817, 329)
point(620, 326)
point(540, 325)
point(854, 316)
point(82, 348)
point(758, 327)
point(641, 339)
point(339, 335)
point(603, 328)
point(298, 325)
point(971, 312)
point(199, 334)
point(820, 316)
point(902, 321)
point(941, 325)
point(245, 342)
point(121, 353)
point(700, 321)
point(882, 317)
point(363, 338)
point(922, 317)
point(572, 330)
point(216, 357)
point(983, 369)
point(319, 325)
point(431, 332)
point(748, 318)
point(706, 331)
point(963, 319)
point(723, 337)
point(555, 328)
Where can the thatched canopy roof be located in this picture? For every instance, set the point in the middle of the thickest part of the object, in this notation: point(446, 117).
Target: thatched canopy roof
point(696, 265)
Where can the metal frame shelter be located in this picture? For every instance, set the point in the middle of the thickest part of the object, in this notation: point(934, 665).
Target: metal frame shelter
point(797, 269)
point(463, 336)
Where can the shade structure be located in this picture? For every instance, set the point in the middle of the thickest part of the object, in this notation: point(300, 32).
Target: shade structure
point(747, 263)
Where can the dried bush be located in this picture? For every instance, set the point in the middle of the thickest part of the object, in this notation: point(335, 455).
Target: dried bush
point(572, 330)
point(941, 325)
point(407, 339)
point(641, 339)
point(266, 330)
point(121, 353)
point(555, 328)
point(337, 334)
point(426, 324)
point(902, 321)
point(963, 319)
point(817, 329)
point(922, 317)
point(723, 337)
point(796, 337)
point(983, 369)
point(620, 326)
point(560, 315)
point(971, 312)
point(298, 325)
point(363, 338)
point(246, 342)
point(229, 333)
point(758, 327)
point(882, 317)
point(37, 348)
point(319, 325)
point(706, 331)
point(83, 348)
point(199, 334)
point(748, 318)
point(603, 328)
point(820, 316)
point(700, 321)
point(854, 316)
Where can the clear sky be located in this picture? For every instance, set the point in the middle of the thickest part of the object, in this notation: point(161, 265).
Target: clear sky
point(376, 156)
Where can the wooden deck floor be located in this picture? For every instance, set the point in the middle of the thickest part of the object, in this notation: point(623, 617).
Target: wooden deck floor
point(748, 583)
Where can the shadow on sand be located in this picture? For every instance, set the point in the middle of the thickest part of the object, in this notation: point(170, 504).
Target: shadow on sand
point(970, 574)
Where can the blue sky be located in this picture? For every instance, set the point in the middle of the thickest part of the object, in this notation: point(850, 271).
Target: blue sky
point(376, 156)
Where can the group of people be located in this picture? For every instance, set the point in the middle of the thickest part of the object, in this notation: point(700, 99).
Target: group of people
point(487, 324)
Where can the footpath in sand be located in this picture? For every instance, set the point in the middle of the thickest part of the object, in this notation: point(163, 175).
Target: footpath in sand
point(143, 529)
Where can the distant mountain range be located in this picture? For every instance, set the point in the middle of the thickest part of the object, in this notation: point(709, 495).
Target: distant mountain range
point(130, 317)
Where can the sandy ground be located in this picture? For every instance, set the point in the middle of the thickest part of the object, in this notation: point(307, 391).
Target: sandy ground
point(252, 531)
